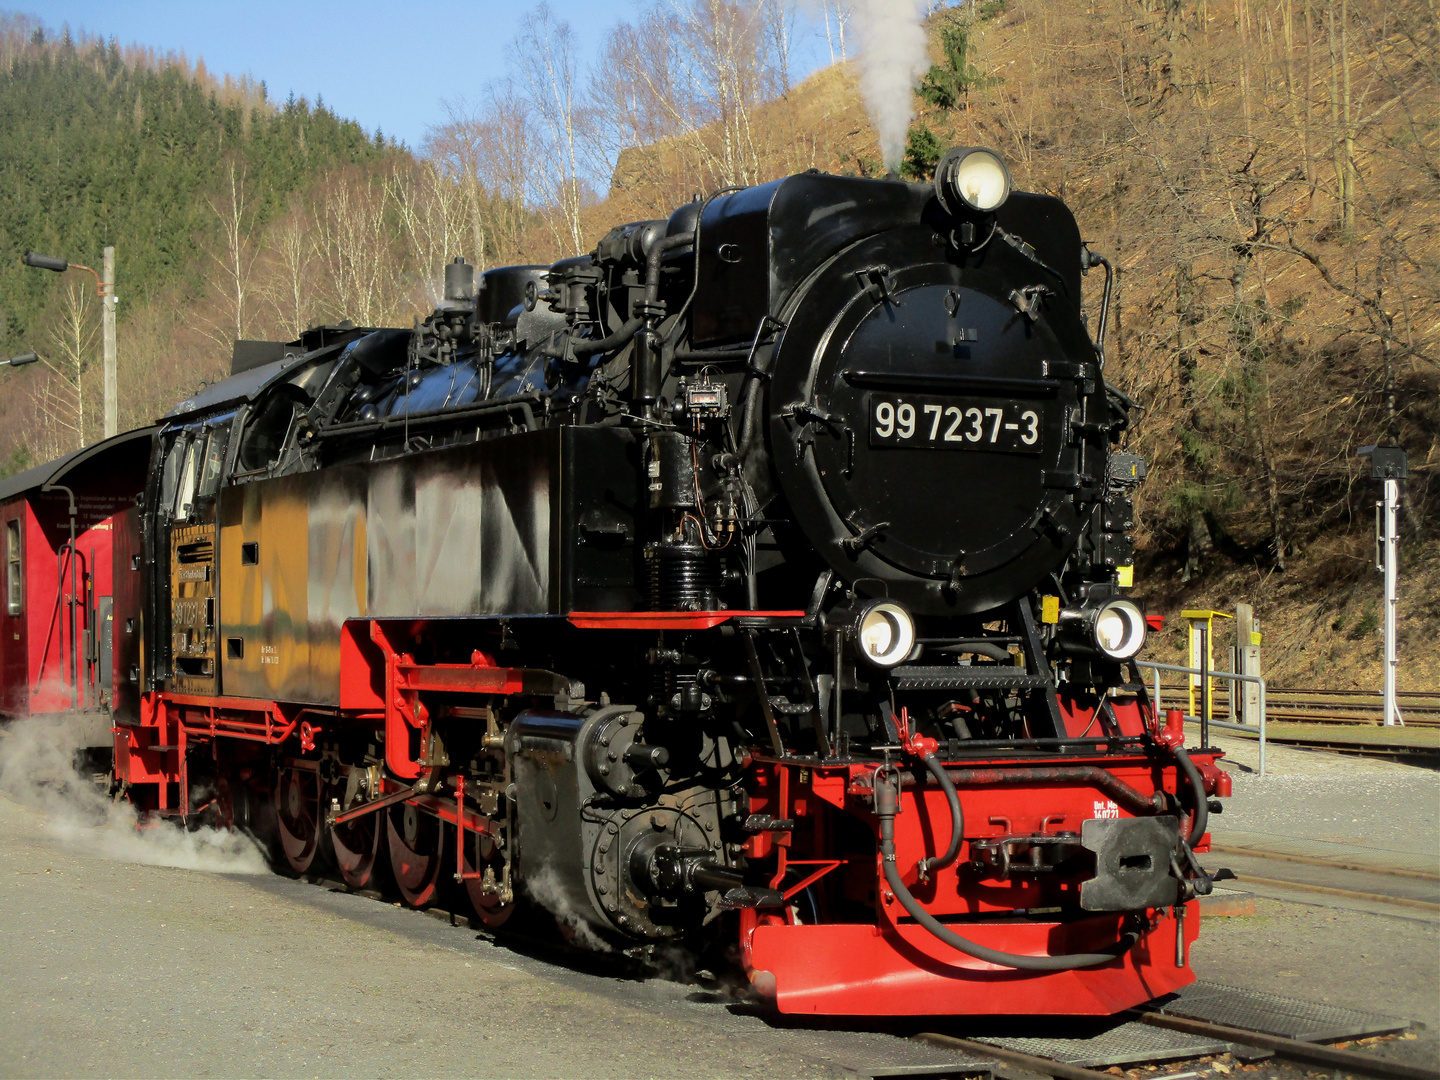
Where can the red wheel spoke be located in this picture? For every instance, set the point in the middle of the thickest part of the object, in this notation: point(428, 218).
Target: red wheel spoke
point(416, 848)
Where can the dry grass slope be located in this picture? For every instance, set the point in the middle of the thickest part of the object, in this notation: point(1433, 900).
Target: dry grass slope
point(1266, 175)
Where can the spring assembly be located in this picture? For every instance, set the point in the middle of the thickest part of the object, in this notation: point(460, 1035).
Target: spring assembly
point(683, 577)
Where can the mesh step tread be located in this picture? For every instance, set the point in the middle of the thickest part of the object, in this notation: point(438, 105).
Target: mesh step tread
point(962, 677)
point(1275, 1014)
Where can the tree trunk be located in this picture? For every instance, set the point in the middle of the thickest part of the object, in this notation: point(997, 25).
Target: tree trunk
point(1198, 546)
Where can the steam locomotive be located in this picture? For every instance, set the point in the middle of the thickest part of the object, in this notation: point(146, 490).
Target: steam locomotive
point(755, 579)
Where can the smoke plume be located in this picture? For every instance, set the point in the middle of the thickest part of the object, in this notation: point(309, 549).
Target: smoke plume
point(37, 769)
point(892, 58)
point(546, 890)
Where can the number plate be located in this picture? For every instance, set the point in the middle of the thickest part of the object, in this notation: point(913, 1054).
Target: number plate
point(955, 423)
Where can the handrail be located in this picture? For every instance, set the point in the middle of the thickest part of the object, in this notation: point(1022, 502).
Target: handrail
point(1203, 720)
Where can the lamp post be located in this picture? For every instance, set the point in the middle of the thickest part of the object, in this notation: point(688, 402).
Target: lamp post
point(105, 289)
point(21, 360)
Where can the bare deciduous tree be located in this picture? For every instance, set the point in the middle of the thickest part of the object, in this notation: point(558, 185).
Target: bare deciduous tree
point(234, 258)
point(546, 49)
point(61, 397)
point(290, 279)
point(489, 152)
point(842, 13)
point(355, 245)
point(436, 221)
point(686, 80)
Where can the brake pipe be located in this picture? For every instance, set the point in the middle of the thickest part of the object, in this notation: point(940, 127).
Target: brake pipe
point(957, 821)
point(887, 802)
point(1200, 820)
point(1123, 794)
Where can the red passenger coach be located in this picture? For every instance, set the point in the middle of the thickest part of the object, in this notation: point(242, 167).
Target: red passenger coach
point(69, 630)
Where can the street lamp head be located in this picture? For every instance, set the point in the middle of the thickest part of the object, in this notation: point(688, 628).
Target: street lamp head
point(46, 262)
point(21, 360)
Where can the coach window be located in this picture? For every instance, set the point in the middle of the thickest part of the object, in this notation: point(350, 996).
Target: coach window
point(14, 596)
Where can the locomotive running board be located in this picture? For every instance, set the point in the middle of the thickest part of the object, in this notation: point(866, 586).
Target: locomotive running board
point(676, 620)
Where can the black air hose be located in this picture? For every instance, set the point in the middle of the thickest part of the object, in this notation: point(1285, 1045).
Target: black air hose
point(887, 798)
point(957, 819)
point(1201, 819)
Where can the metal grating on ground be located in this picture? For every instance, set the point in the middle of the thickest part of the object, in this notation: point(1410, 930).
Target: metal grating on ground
point(963, 1070)
point(1130, 1043)
point(1276, 1015)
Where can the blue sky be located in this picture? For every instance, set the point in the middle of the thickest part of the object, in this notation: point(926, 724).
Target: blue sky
point(385, 65)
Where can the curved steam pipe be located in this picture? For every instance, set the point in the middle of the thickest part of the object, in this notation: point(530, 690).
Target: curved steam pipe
point(604, 344)
point(1096, 259)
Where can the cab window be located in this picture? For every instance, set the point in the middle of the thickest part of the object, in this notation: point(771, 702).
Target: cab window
point(213, 463)
point(189, 476)
point(170, 473)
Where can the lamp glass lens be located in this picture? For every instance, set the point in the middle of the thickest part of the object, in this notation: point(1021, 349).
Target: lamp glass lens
point(886, 634)
point(877, 634)
point(1110, 631)
point(981, 180)
point(1120, 630)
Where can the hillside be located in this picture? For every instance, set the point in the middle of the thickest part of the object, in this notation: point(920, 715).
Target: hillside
point(104, 146)
point(1265, 176)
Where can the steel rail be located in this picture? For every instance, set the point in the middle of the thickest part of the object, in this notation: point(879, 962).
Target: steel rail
point(1331, 706)
point(1328, 890)
point(1422, 756)
point(1349, 1061)
point(1030, 1062)
point(1314, 860)
point(1302, 691)
point(1295, 1049)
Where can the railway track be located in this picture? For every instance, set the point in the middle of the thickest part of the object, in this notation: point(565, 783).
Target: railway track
point(1246, 1031)
point(1248, 1044)
point(1408, 882)
point(1410, 754)
point(1303, 1052)
point(1418, 708)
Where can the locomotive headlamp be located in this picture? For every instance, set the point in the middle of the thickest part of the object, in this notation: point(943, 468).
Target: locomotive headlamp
point(1111, 628)
point(884, 633)
point(973, 178)
point(1120, 629)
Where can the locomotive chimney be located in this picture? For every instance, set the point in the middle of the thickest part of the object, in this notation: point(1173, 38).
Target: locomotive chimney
point(459, 280)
